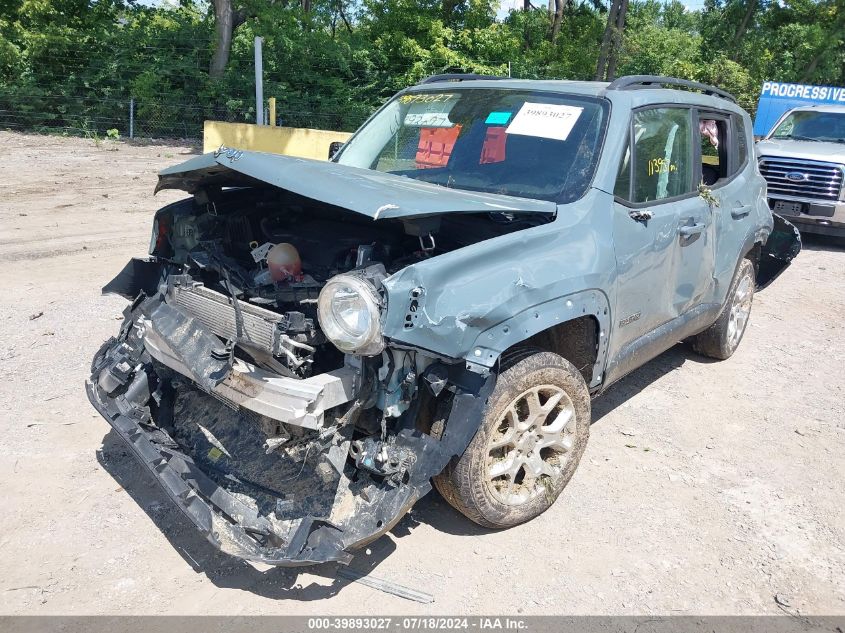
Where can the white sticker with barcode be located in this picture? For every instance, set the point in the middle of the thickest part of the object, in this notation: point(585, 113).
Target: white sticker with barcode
point(546, 120)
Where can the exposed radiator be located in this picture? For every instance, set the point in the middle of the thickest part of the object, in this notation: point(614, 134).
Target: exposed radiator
point(260, 327)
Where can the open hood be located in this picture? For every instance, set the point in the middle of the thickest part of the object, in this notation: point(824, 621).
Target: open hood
point(371, 193)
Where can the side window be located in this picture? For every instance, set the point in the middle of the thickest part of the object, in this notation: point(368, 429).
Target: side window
point(661, 164)
point(713, 144)
point(724, 146)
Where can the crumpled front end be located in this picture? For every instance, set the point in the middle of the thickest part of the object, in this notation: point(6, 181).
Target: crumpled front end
point(274, 469)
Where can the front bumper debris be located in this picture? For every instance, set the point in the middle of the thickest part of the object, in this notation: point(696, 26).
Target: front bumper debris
point(191, 417)
point(230, 525)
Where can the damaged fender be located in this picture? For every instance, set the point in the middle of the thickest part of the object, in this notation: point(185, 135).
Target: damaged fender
point(476, 302)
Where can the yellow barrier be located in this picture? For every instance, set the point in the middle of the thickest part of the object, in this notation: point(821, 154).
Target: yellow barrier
point(290, 141)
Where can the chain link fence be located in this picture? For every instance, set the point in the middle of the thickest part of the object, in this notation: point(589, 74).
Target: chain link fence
point(106, 111)
point(101, 117)
point(139, 118)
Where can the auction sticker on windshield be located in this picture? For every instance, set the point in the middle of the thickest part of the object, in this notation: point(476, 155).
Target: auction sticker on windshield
point(546, 120)
point(433, 112)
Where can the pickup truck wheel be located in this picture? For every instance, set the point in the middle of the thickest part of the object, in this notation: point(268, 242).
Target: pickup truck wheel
point(533, 433)
point(722, 338)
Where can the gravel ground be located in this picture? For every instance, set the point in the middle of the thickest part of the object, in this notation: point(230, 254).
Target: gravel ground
point(707, 488)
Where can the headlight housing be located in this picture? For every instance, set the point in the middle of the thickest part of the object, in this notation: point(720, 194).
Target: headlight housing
point(349, 311)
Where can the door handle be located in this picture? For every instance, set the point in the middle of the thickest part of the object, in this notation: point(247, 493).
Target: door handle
point(740, 212)
point(640, 216)
point(691, 229)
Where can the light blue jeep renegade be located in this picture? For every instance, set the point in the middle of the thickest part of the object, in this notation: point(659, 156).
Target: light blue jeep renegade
point(311, 343)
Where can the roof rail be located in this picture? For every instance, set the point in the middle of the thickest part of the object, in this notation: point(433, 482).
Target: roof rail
point(456, 77)
point(639, 82)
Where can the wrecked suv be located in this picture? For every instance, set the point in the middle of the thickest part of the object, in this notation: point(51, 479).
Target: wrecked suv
point(310, 344)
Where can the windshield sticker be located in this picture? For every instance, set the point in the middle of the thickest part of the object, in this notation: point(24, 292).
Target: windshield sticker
point(546, 120)
point(430, 114)
point(426, 98)
point(498, 118)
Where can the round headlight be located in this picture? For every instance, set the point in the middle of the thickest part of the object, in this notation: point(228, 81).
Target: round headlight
point(348, 310)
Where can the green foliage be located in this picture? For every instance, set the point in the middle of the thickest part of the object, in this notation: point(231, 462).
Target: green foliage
point(75, 64)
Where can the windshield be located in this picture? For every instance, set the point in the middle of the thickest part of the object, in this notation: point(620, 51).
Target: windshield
point(520, 143)
point(813, 126)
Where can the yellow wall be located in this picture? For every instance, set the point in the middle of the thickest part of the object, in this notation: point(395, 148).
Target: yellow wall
point(276, 140)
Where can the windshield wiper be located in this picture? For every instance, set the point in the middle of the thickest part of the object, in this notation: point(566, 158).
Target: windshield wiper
point(796, 137)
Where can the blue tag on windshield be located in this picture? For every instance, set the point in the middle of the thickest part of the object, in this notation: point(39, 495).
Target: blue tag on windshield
point(498, 118)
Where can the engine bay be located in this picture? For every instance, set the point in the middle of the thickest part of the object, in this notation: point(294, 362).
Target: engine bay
point(263, 250)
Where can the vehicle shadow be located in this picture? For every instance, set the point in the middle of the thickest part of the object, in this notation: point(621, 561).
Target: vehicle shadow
point(812, 242)
point(221, 569)
point(641, 378)
point(435, 511)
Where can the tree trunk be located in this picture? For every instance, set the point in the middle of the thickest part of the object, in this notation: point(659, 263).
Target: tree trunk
point(607, 40)
point(611, 42)
point(618, 35)
point(557, 18)
point(743, 27)
point(223, 27)
point(343, 17)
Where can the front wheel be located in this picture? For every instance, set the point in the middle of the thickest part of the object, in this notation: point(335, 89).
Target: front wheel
point(722, 338)
point(532, 436)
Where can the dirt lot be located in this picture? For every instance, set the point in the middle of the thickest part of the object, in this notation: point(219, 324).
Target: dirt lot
point(707, 488)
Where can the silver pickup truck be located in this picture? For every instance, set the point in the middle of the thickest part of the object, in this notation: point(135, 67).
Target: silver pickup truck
point(803, 162)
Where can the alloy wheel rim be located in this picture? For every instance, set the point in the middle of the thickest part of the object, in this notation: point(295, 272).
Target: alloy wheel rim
point(531, 444)
point(740, 309)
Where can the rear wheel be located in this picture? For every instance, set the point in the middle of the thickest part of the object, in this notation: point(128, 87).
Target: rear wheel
point(722, 338)
point(532, 436)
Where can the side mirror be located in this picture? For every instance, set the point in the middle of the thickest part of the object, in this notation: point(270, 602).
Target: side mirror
point(334, 148)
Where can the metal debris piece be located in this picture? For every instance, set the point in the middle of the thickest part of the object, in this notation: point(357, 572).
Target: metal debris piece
point(782, 600)
point(386, 586)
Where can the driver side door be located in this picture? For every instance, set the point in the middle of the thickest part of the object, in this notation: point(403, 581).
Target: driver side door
point(660, 224)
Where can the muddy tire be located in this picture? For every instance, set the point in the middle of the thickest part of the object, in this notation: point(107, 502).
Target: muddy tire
point(722, 338)
point(533, 433)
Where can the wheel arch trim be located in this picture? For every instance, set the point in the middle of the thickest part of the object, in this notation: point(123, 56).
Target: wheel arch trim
point(492, 342)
